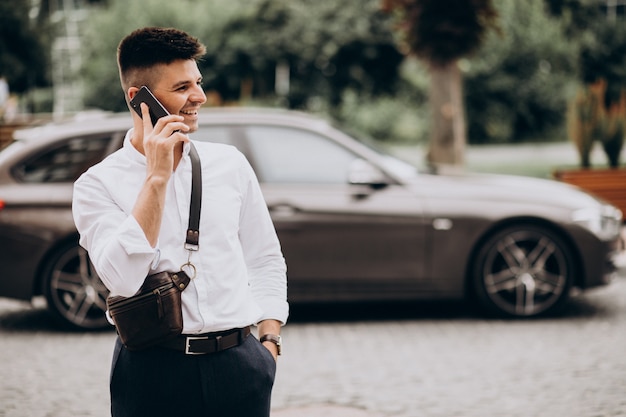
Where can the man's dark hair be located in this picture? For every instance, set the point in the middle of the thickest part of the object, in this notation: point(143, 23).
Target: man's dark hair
point(144, 48)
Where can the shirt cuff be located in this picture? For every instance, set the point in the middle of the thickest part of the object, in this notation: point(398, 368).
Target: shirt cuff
point(135, 242)
point(276, 311)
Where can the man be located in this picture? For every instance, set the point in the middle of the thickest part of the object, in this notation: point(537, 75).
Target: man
point(131, 211)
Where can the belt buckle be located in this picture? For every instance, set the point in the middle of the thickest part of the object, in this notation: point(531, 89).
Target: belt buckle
point(188, 339)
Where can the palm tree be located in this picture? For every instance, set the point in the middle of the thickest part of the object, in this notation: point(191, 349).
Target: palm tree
point(440, 32)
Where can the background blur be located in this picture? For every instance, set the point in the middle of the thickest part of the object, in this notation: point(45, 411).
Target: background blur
point(343, 59)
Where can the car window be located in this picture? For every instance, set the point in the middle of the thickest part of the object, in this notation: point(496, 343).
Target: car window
point(64, 162)
point(217, 134)
point(287, 155)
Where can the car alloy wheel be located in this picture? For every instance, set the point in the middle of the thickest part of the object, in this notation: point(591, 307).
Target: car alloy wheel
point(73, 289)
point(523, 271)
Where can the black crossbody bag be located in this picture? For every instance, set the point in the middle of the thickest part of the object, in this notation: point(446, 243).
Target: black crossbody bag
point(154, 314)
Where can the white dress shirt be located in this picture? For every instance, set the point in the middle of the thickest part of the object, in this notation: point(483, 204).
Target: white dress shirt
point(241, 273)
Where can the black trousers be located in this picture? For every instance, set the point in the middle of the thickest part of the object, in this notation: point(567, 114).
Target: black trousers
point(161, 382)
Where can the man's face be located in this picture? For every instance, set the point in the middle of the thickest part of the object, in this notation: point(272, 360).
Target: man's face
point(179, 89)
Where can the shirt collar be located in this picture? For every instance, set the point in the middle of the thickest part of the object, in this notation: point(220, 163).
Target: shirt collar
point(131, 151)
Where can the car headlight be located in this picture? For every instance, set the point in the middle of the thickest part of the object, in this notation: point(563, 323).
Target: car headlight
point(605, 221)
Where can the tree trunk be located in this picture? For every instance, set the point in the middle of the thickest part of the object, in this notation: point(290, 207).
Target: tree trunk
point(448, 136)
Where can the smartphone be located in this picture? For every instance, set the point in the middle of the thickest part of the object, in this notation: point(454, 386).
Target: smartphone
point(144, 95)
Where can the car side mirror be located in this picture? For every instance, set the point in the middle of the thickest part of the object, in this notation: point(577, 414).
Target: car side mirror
point(364, 173)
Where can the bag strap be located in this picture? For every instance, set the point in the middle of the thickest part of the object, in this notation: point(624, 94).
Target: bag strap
point(193, 231)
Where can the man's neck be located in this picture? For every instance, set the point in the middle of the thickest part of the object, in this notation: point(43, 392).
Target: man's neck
point(137, 141)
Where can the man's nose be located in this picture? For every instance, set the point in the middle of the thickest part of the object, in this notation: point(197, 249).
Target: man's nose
point(198, 95)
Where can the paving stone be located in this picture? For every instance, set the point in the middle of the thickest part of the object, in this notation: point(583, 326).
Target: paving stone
point(442, 364)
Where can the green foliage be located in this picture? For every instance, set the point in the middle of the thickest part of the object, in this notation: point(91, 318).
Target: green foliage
point(105, 29)
point(517, 86)
point(603, 56)
point(328, 47)
point(598, 112)
point(386, 119)
point(576, 15)
point(24, 53)
point(331, 49)
point(342, 61)
point(442, 31)
point(583, 121)
point(590, 119)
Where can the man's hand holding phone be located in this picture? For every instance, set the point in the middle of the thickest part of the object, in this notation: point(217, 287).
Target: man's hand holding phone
point(160, 141)
point(162, 132)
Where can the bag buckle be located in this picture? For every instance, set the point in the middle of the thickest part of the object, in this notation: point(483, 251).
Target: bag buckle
point(107, 314)
point(191, 243)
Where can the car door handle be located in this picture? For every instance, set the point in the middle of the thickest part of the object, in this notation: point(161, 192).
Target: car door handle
point(282, 210)
point(442, 224)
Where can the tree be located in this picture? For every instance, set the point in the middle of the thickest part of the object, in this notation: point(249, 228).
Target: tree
point(440, 32)
point(341, 58)
point(24, 58)
point(518, 84)
point(576, 14)
point(325, 48)
point(104, 30)
point(601, 71)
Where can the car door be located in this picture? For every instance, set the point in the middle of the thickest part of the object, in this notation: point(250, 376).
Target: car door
point(37, 199)
point(340, 240)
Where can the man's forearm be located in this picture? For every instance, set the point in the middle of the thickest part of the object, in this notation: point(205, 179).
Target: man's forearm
point(148, 210)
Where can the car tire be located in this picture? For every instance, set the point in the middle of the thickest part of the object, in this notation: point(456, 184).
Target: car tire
point(523, 271)
point(73, 289)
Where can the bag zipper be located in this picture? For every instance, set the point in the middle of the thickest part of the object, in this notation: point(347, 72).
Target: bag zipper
point(137, 299)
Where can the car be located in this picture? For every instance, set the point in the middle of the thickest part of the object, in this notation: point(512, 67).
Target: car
point(355, 224)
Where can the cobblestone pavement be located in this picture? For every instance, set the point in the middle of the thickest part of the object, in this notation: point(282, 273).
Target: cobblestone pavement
point(405, 360)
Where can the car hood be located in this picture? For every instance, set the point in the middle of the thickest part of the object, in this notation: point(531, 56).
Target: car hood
point(501, 188)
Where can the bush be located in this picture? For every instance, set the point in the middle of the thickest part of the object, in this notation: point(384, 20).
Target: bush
point(394, 119)
point(517, 87)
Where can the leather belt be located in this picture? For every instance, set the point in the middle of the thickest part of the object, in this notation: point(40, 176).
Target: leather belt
point(200, 344)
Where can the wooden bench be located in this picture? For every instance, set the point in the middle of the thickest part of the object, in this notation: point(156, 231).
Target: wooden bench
point(6, 133)
point(7, 128)
point(608, 184)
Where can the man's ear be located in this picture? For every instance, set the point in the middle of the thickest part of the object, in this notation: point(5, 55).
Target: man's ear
point(131, 92)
